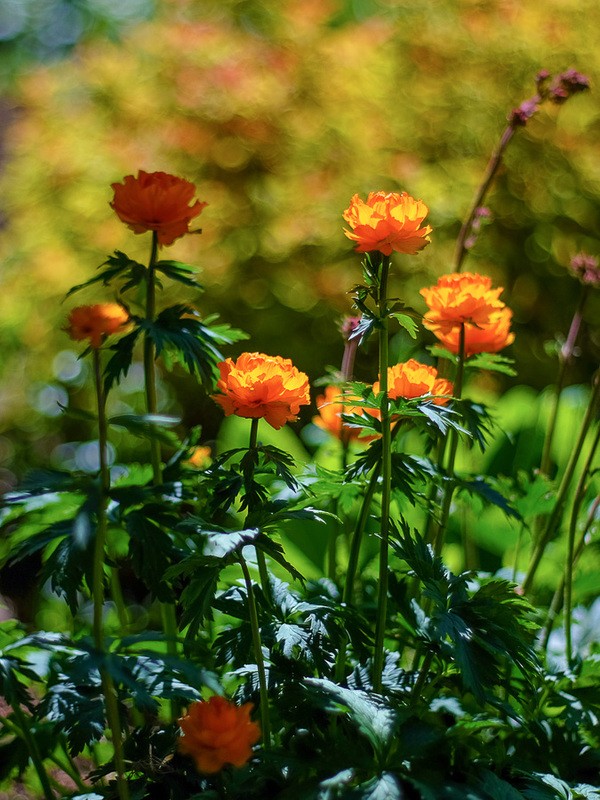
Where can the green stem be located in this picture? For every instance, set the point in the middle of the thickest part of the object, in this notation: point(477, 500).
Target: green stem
point(351, 570)
point(554, 518)
point(565, 357)
point(108, 689)
point(452, 447)
point(579, 496)
point(492, 168)
point(34, 753)
point(559, 593)
point(423, 672)
point(149, 360)
point(386, 473)
point(258, 654)
point(168, 615)
point(265, 583)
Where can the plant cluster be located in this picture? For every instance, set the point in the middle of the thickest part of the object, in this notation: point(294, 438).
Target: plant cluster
point(191, 658)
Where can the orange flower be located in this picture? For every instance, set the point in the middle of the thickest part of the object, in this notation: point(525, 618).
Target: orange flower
point(96, 322)
point(200, 458)
point(489, 338)
point(257, 385)
point(156, 201)
point(413, 379)
point(331, 409)
point(217, 732)
point(461, 298)
point(387, 222)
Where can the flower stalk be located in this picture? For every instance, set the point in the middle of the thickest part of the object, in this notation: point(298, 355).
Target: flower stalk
point(554, 518)
point(386, 475)
point(108, 688)
point(258, 655)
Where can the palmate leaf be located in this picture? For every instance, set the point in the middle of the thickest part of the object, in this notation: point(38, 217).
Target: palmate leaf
point(117, 265)
point(151, 548)
point(492, 496)
point(179, 272)
point(369, 713)
point(149, 426)
point(119, 363)
point(493, 362)
point(381, 787)
point(178, 334)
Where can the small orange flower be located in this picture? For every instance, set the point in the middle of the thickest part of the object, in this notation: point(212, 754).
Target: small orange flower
point(331, 408)
point(461, 298)
point(96, 322)
point(260, 386)
point(156, 201)
point(387, 222)
point(413, 379)
point(200, 458)
point(216, 732)
point(489, 338)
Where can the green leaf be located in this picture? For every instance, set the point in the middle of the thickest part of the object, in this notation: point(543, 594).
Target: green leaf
point(407, 322)
point(497, 788)
point(493, 362)
point(118, 264)
point(382, 787)
point(369, 713)
point(482, 488)
point(119, 363)
point(179, 272)
point(149, 426)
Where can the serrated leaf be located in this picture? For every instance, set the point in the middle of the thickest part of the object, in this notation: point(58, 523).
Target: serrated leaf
point(118, 264)
point(407, 322)
point(494, 362)
point(119, 363)
point(149, 426)
point(382, 787)
point(179, 272)
point(373, 718)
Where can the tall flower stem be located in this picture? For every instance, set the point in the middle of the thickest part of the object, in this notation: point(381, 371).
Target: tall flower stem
point(561, 496)
point(452, 448)
point(578, 500)
point(258, 654)
point(167, 609)
point(490, 174)
point(565, 357)
point(386, 475)
point(559, 594)
point(108, 688)
point(260, 556)
point(22, 729)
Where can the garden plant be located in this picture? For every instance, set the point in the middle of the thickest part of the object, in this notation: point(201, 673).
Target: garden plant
point(227, 621)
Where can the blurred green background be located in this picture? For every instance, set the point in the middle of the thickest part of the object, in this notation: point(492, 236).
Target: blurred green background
point(279, 111)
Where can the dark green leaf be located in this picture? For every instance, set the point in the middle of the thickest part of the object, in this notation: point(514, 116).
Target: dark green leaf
point(149, 426)
point(118, 264)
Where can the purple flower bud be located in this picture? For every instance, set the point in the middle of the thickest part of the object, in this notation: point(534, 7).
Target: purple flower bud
point(566, 84)
point(586, 268)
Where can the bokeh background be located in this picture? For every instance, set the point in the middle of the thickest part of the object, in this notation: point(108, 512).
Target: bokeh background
point(279, 111)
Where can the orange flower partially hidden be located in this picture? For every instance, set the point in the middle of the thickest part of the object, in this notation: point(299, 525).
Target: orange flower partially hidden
point(216, 732)
point(96, 322)
point(331, 408)
point(461, 298)
point(413, 379)
point(264, 387)
point(200, 458)
point(490, 338)
point(156, 201)
point(387, 222)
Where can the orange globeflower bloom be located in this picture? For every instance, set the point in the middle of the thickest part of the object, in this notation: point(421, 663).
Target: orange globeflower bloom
point(156, 201)
point(96, 322)
point(217, 732)
point(462, 297)
point(413, 379)
point(331, 408)
point(489, 338)
point(260, 386)
point(387, 222)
